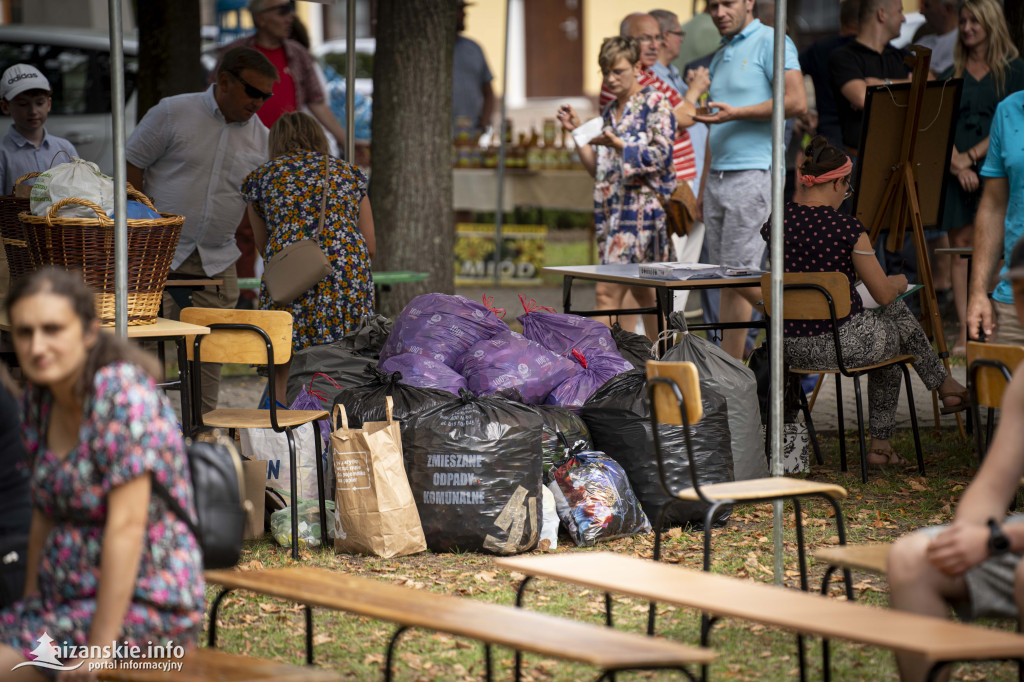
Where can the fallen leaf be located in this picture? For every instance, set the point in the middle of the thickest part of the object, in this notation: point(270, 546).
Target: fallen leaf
point(486, 576)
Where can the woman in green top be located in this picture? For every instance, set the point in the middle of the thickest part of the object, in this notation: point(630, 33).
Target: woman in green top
point(986, 59)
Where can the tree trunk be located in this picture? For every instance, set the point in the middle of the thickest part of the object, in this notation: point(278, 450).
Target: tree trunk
point(168, 50)
point(411, 186)
point(1014, 11)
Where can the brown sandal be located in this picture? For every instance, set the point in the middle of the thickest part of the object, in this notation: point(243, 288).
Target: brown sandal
point(891, 459)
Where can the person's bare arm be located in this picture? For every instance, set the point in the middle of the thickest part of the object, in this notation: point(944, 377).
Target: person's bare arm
point(366, 226)
point(487, 110)
point(134, 175)
point(795, 104)
point(323, 113)
point(570, 120)
point(989, 226)
point(259, 229)
point(856, 91)
point(883, 288)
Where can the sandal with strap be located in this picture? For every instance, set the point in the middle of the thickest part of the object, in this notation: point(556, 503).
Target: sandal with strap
point(959, 406)
point(891, 459)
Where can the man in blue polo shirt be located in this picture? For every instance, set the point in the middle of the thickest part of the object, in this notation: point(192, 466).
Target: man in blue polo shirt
point(735, 195)
point(998, 225)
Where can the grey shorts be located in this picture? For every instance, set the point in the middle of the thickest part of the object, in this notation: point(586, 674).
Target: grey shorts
point(989, 584)
point(736, 205)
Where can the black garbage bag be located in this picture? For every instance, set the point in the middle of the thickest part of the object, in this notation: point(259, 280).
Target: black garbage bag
point(760, 365)
point(633, 347)
point(618, 417)
point(474, 467)
point(342, 360)
point(365, 402)
point(599, 503)
point(558, 423)
point(728, 376)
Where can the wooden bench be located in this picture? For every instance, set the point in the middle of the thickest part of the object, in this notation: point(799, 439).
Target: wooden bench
point(937, 640)
point(492, 624)
point(869, 558)
point(211, 664)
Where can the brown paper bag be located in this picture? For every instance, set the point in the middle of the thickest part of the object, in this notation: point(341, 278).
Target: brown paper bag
point(376, 512)
point(255, 472)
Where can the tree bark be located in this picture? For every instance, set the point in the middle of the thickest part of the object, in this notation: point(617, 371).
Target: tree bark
point(168, 50)
point(411, 185)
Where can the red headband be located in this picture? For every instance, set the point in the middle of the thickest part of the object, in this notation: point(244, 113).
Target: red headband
point(837, 174)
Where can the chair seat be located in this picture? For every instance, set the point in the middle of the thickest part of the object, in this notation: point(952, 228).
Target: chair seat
point(894, 360)
point(260, 419)
point(764, 488)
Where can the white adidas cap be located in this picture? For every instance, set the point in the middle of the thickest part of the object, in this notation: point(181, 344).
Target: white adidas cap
point(19, 78)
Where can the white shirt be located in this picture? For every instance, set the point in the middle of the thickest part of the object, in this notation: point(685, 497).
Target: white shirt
point(195, 163)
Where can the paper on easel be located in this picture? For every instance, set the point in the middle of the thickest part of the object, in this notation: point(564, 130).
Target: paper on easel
point(869, 301)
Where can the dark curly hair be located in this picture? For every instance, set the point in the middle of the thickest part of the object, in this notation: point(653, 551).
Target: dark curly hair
point(821, 157)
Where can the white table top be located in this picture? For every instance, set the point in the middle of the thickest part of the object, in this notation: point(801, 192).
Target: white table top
point(629, 273)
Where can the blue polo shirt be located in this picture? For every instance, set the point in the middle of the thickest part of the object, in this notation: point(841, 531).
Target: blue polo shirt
point(741, 75)
point(1005, 159)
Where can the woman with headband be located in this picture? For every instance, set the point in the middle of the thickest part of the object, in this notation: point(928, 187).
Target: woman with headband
point(818, 238)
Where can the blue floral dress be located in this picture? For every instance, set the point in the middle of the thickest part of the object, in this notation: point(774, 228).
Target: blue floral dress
point(286, 193)
point(630, 221)
point(128, 430)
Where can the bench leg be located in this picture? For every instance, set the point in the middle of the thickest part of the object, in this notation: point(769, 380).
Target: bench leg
point(706, 623)
point(309, 634)
point(806, 409)
point(913, 419)
point(837, 510)
point(321, 497)
point(211, 640)
point(860, 430)
point(389, 659)
point(520, 593)
point(659, 526)
point(842, 425)
point(489, 665)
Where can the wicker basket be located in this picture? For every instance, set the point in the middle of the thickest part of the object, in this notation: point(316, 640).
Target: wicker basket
point(87, 244)
point(12, 234)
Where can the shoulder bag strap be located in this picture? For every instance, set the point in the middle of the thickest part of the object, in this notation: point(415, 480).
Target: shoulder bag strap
point(323, 199)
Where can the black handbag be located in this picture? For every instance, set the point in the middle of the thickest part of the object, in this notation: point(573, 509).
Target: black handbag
point(13, 563)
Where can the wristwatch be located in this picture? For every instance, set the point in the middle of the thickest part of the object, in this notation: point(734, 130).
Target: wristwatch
point(998, 543)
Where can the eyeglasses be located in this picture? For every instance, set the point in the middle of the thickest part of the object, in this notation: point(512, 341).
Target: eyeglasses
point(680, 34)
point(849, 187)
point(649, 39)
point(281, 10)
point(250, 91)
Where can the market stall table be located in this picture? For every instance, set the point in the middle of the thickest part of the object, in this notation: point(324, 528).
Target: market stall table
point(162, 329)
point(476, 189)
point(629, 274)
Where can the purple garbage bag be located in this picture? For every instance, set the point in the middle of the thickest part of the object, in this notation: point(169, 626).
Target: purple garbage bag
point(307, 400)
point(441, 327)
point(560, 333)
point(596, 367)
point(422, 372)
point(510, 360)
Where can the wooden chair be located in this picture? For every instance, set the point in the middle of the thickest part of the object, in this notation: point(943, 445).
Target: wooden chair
point(255, 337)
point(826, 296)
point(989, 366)
point(674, 392)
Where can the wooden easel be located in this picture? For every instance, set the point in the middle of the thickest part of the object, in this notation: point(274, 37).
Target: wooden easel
point(900, 205)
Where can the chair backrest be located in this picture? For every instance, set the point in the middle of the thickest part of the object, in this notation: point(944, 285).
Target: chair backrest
point(242, 346)
point(800, 303)
point(988, 365)
point(665, 407)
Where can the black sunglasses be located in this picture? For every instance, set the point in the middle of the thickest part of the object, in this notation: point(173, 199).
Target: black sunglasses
point(283, 10)
point(250, 91)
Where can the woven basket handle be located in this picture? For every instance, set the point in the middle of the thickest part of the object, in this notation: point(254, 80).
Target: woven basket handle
point(71, 201)
point(140, 197)
point(25, 177)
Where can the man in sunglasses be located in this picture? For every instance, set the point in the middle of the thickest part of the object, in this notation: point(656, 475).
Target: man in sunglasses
point(190, 154)
point(298, 86)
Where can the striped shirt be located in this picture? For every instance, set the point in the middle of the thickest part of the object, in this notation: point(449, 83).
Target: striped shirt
point(682, 149)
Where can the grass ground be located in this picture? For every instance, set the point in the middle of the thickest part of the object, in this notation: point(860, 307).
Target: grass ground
point(890, 505)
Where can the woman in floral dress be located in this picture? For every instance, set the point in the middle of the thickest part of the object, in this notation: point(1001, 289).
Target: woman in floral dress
point(284, 198)
point(631, 162)
point(107, 561)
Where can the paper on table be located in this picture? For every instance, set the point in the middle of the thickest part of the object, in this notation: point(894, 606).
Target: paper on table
point(588, 131)
point(869, 301)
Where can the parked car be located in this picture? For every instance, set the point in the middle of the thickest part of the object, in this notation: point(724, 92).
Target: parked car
point(77, 64)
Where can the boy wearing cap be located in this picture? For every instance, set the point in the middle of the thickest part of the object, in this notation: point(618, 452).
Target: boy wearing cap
point(974, 564)
point(27, 147)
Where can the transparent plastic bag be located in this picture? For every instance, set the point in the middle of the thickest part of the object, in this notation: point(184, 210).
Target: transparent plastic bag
point(309, 524)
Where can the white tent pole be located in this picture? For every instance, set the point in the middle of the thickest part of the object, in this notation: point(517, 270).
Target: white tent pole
point(777, 262)
point(499, 215)
point(120, 196)
point(350, 83)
